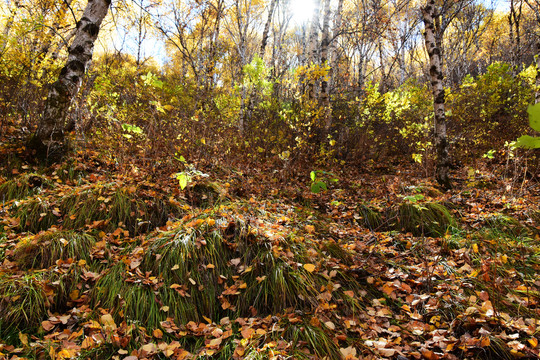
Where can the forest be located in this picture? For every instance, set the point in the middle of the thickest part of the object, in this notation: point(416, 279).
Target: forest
point(269, 179)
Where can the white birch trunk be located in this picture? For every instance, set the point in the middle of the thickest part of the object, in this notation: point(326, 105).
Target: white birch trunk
point(49, 140)
point(433, 36)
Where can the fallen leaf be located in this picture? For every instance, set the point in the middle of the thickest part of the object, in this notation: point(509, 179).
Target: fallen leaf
point(309, 267)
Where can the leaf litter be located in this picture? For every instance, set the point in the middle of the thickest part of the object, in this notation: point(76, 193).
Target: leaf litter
point(129, 267)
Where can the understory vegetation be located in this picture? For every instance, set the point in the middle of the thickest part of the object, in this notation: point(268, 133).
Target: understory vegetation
point(103, 266)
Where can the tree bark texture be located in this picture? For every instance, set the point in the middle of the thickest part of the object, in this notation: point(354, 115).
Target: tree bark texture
point(49, 139)
point(266, 30)
point(325, 43)
point(534, 5)
point(314, 46)
point(433, 37)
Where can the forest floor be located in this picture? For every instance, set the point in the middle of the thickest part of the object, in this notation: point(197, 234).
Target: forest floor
point(102, 263)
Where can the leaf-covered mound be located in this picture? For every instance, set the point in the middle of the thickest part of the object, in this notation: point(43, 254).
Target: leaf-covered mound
point(23, 186)
point(208, 267)
point(100, 206)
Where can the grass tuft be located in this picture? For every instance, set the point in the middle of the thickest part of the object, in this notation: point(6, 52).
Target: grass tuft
point(309, 340)
point(23, 186)
point(430, 219)
point(34, 215)
point(205, 194)
point(23, 302)
point(507, 225)
point(370, 218)
point(192, 273)
point(108, 208)
point(42, 251)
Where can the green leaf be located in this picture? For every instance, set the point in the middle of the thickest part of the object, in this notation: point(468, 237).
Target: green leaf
point(529, 142)
point(313, 176)
point(183, 180)
point(317, 186)
point(534, 116)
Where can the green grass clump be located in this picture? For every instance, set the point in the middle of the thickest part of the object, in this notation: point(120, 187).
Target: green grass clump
point(430, 219)
point(507, 225)
point(23, 302)
point(98, 206)
point(370, 218)
point(23, 186)
point(114, 207)
point(213, 272)
point(34, 215)
point(205, 194)
point(69, 171)
point(42, 251)
point(304, 335)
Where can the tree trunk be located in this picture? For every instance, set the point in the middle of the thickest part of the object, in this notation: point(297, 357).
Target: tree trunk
point(325, 42)
point(267, 29)
point(313, 47)
point(334, 57)
point(535, 7)
point(49, 140)
point(433, 37)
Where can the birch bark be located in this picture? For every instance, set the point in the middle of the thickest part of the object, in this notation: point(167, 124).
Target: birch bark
point(433, 40)
point(49, 140)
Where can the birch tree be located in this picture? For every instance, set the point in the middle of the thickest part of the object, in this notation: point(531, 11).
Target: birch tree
point(49, 141)
point(437, 16)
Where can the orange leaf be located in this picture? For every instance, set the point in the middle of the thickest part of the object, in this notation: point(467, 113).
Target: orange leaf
point(47, 325)
point(247, 333)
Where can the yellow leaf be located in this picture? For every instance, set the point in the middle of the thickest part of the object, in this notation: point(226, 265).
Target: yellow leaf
point(107, 320)
point(533, 342)
point(475, 248)
point(149, 348)
point(157, 333)
point(164, 308)
point(64, 354)
point(23, 338)
point(203, 141)
point(309, 228)
point(74, 295)
point(175, 267)
point(210, 266)
point(309, 267)
point(210, 222)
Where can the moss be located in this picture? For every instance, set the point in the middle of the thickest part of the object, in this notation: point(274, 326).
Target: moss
point(42, 251)
point(430, 219)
